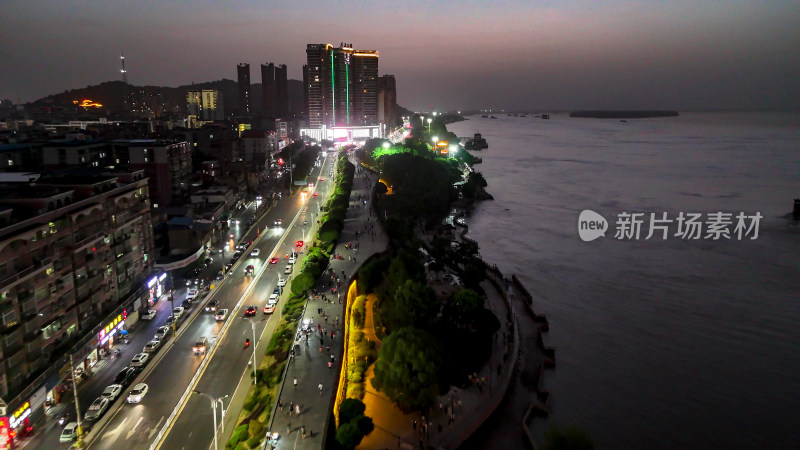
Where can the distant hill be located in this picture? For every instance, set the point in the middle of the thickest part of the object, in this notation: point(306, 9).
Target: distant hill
point(111, 94)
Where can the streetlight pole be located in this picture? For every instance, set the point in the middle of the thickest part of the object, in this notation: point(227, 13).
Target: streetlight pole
point(429, 124)
point(213, 410)
point(79, 442)
point(253, 327)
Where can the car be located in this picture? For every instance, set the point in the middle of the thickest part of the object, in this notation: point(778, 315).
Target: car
point(288, 270)
point(140, 359)
point(152, 346)
point(255, 252)
point(178, 312)
point(250, 270)
point(292, 259)
point(222, 314)
point(315, 194)
point(208, 261)
point(200, 345)
point(273, 299)
point(170, 320)
point(149, 314)
point(274, 260)
point(241, 247)
point(250, 311)
point(112, 392)
point(220, 275)
point(269, 309)
point(137, 393)
point(281, 281)
point(96, 409)
point(278, 222)
point(298, 244)
point(123, 377)
point(212, 306)
point(186, 304)
point(321, 178)
point(189, 282)
point(69, 433)
point(162, 332)
point(191, 294)
point(277, 290)
point(236, 255)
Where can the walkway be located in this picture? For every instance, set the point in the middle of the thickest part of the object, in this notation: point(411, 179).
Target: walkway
point(310, 366)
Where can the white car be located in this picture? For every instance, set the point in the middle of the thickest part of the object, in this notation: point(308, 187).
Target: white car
point(138, 392)
point(177, 312)
point(96, 409)
point(69, 433)
point(191, 294)
point(152, 346)
point(222, 314)
point(140, 359)
point(220, 275)
point(162, 332)
point(288, 270)
point(273, 299)
point(255, 252)
point(292, 259)
point(281, 281)
point(112, 392)
point(149, 314)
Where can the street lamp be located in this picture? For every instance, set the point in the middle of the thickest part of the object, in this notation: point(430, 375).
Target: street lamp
point(386, 145)
point(429, 124)
point(453, 150)
point(253, 327)
point(214, 410)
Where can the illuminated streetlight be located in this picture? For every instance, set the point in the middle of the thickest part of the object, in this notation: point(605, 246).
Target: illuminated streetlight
point(386, 145)
point(429, 124)
point(453, 150)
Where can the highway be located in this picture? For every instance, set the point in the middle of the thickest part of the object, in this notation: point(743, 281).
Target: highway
point(175, 366)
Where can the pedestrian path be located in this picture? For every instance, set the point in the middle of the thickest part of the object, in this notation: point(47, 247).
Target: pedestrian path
point(309, 367)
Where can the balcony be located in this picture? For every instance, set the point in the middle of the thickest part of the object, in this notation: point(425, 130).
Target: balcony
point(89, 239)
point(22, 273)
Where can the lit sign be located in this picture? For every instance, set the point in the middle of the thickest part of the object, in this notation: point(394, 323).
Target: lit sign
point(151, 282)
point(162, 277)
point(106, 333)
point(20, 414)
point(86, 103)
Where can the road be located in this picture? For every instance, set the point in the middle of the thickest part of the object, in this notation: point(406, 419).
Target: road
point(175, 365)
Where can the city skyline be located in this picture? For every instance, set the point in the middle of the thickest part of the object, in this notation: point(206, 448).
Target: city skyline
point(512, 55)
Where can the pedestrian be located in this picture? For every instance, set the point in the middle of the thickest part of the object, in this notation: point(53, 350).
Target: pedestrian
point(304, 433)
point(295, 383)
point(280, 405)
point(441, 406)
point(328, 348)
point(320, 389)
point(320, 341)
point(289, 428)
point(414, 425)
point(330, 365)
point(297, 409)
point(332, 358)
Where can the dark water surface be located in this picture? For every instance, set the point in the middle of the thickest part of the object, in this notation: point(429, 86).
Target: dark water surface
point(659, 343)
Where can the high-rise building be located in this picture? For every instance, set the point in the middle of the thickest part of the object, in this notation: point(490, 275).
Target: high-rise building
point(206, 104)
point(387, 100)
point(274, 90)
point(243, 72)
point(341, 86)
point(167, 164)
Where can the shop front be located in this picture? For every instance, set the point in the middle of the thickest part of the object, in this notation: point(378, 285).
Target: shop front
point(15, 425)
point(157, 286)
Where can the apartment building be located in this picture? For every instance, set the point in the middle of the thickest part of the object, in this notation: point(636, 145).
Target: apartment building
point(72, 247)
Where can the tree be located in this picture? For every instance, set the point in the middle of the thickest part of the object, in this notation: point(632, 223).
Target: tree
point(569, 438)
point(464, 309)
point(415, 304)
point(349, 435)
point(302, 283)
point(350, 409)
point(408, 368)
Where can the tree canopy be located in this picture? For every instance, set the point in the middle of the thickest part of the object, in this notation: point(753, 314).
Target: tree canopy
point(408, 368)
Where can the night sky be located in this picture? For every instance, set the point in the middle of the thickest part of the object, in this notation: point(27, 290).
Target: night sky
point(555, 55)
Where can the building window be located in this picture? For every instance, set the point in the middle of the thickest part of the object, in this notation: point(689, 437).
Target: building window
point(9, 318)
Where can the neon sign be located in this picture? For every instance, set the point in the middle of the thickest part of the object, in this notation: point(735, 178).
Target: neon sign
point(19, 415)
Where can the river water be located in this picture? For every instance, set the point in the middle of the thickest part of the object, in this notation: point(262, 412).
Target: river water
point(670, 343)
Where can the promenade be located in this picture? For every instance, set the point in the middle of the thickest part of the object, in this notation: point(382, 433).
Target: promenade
point(309, 367)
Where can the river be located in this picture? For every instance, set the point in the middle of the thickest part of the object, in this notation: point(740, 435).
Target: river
point(660, 343)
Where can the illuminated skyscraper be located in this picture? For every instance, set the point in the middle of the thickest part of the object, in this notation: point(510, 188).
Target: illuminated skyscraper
point(206, 104)
point(341, 85)
point(243, 72)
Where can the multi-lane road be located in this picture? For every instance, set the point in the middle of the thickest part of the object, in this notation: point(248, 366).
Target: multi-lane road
point(175, 366)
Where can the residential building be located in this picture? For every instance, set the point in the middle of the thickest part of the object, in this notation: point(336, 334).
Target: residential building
point(167, 164)
point(59, 153)
point(243, 73)
point(73, 247)
point(206, 104)
point(387, 101)
point(274, 91)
